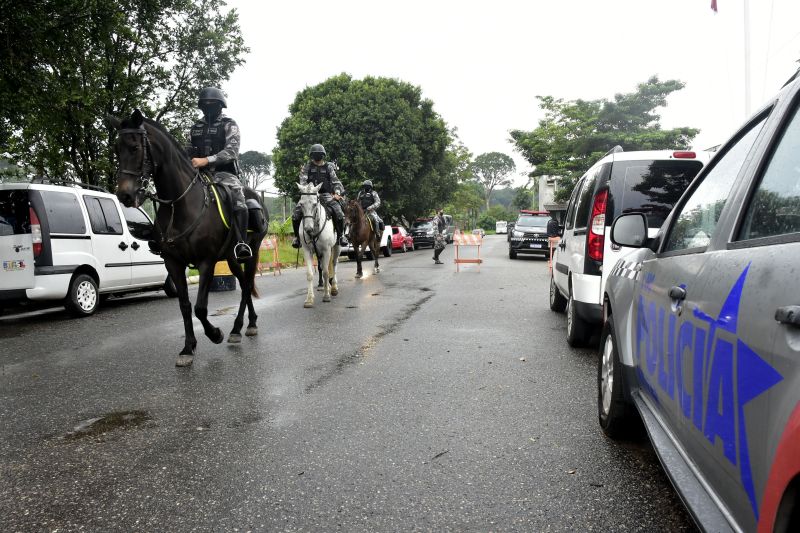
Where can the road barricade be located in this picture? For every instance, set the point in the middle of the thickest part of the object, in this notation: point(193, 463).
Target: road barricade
point(270, 246)
point(467, 239)
point(554, 241)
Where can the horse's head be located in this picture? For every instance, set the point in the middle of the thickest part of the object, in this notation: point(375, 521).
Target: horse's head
point(309, 204)
point(352, 211)
point(135, 159)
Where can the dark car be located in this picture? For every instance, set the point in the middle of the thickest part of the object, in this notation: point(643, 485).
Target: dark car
point(529, 234)
point(701, 336)
point(422, 232)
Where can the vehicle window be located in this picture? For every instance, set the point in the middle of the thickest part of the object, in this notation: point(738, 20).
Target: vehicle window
point(533, 220)
point(138, 223)
point(103, 215)
point(64, 213)
point(422, 225)
point(585, 202)
point(14, 213)
point(775, 207)
point(651, 187)
point(571, 208)
point(395, 231)
point(695, 223)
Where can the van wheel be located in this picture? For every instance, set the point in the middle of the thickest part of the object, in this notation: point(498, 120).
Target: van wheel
point(387, 250)
point(577, 329)
point(169, 288)
point(557, 301)
point(82, 298)
point(615, 414)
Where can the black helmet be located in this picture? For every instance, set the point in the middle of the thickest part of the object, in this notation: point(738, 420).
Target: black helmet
point(317, 152)
point(367, 185)
point(212, 93)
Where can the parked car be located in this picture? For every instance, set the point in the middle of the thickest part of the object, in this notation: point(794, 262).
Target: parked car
point(509, 230)
point(529, 235)
point(620, 182)
point(386, 246)
point(401, 240)
point(422, 232)
point(73, 244)
point(500, 227)
point(702, 330)
point(479, 231)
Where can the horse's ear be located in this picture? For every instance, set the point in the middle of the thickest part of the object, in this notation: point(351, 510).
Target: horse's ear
point(112, 121)
point(317, 187)
point(137, 118)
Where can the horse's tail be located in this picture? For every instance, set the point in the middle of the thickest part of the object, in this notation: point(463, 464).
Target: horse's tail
point(254, 291)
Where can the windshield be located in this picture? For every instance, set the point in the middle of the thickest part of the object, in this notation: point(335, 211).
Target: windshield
point(536, 221)
point(422, 225)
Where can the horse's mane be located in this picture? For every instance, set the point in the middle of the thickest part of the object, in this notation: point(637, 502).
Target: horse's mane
point(167, 134)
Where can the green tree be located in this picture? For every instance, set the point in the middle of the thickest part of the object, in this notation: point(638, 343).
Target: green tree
point(493, 170)
point(376, 128)
point(256, 168)
point(465, 204)
point(574, 134)
point(523, 199)
point(67, 63)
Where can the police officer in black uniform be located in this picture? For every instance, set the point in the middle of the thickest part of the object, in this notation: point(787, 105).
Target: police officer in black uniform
point(315, 172)
point(370, 202)
point(215, 146)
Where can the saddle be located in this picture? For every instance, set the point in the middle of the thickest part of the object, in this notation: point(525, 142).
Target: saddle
point(257, 219)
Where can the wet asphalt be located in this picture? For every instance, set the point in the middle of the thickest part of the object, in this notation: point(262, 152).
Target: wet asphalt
point(420, 399)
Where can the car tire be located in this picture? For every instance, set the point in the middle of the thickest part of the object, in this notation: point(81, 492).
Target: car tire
point(82, 298)
point(577, 329)
point(169, 288)
point(512, 254)
point(387, 250)
point(557, 301)
point(614, 412)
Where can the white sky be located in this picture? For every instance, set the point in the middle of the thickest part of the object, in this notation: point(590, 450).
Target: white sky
point(483, 63)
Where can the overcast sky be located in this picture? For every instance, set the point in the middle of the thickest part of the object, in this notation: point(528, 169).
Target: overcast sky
point(483, 63)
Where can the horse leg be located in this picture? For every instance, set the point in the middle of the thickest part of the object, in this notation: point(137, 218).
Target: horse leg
point(319, 271)
point(235, 335)
point(332, 272)
point(310, 278)
point(376, 245)
point(250, 274)
point(357, 250)
point(178, 275)
point(206, 269)
point(326, 257)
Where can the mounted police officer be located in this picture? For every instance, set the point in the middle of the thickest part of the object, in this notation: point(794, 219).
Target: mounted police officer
point(215, 146)
point(370, 202)
point(318, 171)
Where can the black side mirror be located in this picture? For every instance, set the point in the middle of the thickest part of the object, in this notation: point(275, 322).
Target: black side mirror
point(630, 230)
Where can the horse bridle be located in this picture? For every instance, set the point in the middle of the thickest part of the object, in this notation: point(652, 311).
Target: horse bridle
point(314, 217)
point(145, 174)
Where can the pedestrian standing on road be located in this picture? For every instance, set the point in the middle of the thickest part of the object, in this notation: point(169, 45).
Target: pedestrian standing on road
point(553, 236)
point(439, 237)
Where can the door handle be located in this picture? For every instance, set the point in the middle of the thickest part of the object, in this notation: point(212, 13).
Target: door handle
point(135, 245)
point(677, 293)
point(123, 246)
point(789, 314)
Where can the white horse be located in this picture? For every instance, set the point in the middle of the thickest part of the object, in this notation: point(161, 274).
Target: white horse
point(318, 237)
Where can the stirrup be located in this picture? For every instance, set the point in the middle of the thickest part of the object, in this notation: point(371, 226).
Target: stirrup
point(242, 251)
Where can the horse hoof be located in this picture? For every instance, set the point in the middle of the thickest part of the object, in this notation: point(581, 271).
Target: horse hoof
point(334, 291)
point(234, 338)
point(308, 304)
point(326, 298)
point(359, 276)
point(251, 331)
point(377, 270)
point(217, 336)
point(184, 360)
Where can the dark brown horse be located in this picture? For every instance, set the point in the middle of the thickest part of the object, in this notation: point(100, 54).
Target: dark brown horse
point(189, 224)
point(362, 234)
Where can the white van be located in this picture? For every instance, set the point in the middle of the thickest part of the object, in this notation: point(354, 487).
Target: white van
point(501, 227)
point(73, 244)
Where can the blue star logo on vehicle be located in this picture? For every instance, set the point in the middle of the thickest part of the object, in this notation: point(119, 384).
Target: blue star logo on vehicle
point(754, 376)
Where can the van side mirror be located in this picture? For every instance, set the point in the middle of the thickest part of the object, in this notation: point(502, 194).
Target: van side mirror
point(630, 230)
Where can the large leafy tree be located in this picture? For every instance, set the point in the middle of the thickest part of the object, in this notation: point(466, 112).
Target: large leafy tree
point(65, 64)
point(376, 128)
point(523, 198)
point(493, 170)
point(256, 168)
point(574, 134)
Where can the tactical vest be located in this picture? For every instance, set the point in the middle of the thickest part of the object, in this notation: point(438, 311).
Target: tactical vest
point(209, 139)
point(367, 200)
point(321, 174)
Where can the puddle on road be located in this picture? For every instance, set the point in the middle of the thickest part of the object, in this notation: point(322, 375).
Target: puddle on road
point(223, 311)
point(93, 427)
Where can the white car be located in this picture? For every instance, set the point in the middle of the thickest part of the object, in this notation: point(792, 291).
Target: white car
point(73, 244)
point(386, 245)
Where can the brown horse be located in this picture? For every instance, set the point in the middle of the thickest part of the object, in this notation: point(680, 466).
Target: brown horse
point(362, 234)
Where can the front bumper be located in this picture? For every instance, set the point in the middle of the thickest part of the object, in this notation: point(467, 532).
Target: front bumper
point(422, 240)
point(525, 245)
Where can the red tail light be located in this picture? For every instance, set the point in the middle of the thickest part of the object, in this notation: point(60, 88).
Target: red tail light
point(597, 228)
point(684, 155)
point(36, 232)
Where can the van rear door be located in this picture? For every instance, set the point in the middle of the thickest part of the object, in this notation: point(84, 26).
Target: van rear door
point(16, 243)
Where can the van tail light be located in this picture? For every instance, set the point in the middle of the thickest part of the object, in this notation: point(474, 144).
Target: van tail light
point(597, 228)
point(36, 232)
point(684, 155)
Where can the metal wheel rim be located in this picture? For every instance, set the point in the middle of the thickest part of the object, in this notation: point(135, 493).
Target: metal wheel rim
point(569, 316)
point(552, 294)
point(86, 296)
point(607, 374)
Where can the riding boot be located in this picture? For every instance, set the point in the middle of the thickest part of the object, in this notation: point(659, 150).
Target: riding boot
point(339, 226)
point(155, 247)
point(241, 250)
point(296, 228)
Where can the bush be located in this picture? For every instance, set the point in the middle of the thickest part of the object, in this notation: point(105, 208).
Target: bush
point(281, 229)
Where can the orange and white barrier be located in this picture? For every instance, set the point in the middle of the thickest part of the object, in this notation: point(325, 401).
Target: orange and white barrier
point(270, 245)
point(467, 239)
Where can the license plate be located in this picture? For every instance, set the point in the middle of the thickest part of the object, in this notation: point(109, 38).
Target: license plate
point(534, 245)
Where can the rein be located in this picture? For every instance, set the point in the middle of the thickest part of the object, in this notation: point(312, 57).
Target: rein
point(315, 217)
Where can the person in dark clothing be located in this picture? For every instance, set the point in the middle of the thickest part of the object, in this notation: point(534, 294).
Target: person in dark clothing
point(439, 237)
point(315, 172)
point(370, 202)
point(552, 226)
point(215, 146)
